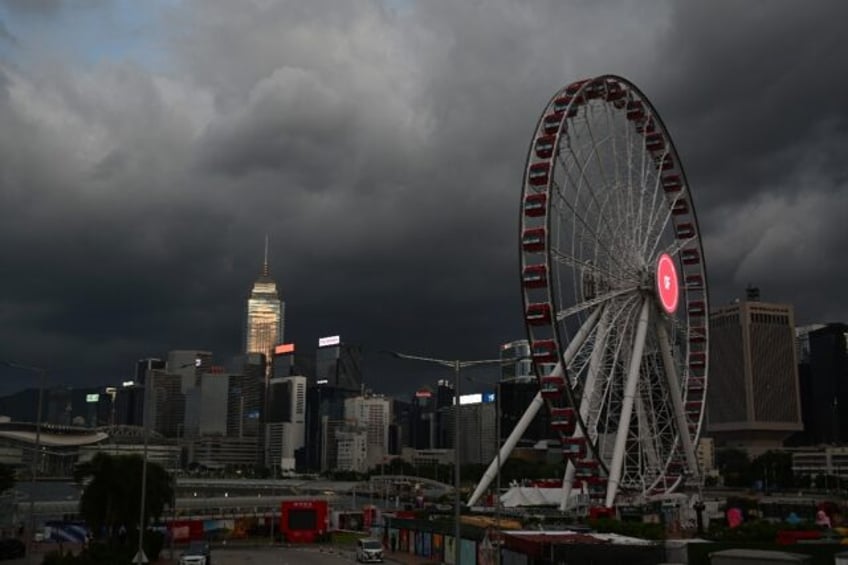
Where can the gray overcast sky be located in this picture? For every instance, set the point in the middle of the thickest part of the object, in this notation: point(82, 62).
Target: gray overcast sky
point(147, 147)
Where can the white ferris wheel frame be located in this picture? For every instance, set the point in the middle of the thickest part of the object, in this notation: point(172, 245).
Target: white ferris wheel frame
point(604, 196)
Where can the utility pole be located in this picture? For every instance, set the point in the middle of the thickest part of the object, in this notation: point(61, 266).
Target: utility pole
point(457, 366)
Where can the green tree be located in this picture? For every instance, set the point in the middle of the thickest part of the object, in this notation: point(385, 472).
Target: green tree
point(7, 477)
point(112, 495)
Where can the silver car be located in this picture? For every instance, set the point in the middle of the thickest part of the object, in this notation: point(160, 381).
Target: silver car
point(369, 551)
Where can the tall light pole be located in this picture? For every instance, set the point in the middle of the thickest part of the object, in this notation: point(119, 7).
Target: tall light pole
point(498, 457)
point(140, 557)
point(457, 366)
point(42, 377)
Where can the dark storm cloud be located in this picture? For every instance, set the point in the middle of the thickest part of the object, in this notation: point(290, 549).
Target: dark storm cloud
point(33, 6)
point(754, 100)
point(381, 146)
point(6, 36)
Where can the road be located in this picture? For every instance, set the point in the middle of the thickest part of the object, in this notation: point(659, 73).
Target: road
point(259, 556)
point(280, 556)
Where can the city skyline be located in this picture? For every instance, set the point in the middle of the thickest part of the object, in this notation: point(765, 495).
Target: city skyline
point(148, 147)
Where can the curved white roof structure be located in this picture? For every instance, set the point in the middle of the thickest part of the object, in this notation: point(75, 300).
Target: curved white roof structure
point(48, 439)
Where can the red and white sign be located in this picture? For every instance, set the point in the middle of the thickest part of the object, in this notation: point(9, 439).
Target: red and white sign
point(668, 289)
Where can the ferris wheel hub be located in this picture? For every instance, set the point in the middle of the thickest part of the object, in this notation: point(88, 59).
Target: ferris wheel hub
point(667, 284)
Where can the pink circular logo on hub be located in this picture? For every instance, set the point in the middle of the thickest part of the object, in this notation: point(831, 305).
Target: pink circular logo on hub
point(668, 290)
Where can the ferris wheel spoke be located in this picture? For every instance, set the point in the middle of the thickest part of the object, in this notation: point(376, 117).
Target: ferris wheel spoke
point(578, 264)
point(627, 404)
point(601, 205)
point(595, 145)
point(673, 383)
point(592, 388)
point(599, 243)
point(646, 427)
point(674, 248)
point(648, 211)
point(581, 181)
point(655, 212)
point(581, 336)
point(612, 354)
point(582, 164)
point(652, 431)
point(563, 314)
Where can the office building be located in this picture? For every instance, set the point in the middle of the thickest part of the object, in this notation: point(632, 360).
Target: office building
point(328, 444)
point(286, 426)
point(352, 450)
point(477, 440)
point(166, 414)
point(373, 415)
point(206, 407)
point(810, 435)
point(189, 364)
point(264, 320)
point(283, 440)
point(143, 366)
point(129, 404)
point(417, 420)
point(516, 396)
point(283, 361)
point(753, 400)
point(826, 420)
point(324, 403)
point(245, 400)
point(338, 364)
point(222, 452)
point(516, 363)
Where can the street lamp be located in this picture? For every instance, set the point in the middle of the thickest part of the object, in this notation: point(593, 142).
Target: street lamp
point(42, 375)
point(140, 557)
point(498, 456)
point(457, 366)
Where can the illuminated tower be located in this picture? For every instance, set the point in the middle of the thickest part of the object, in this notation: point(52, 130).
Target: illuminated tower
point(264, 327)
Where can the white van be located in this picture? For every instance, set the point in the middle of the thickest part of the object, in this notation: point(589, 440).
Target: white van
point(369, 550)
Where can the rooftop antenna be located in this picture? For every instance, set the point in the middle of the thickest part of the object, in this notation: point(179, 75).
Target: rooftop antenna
point(266, 271)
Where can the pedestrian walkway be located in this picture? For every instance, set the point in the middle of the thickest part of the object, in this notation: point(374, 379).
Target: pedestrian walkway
point(408, 559)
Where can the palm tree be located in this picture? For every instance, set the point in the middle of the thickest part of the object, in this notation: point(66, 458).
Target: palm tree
point(112, 494)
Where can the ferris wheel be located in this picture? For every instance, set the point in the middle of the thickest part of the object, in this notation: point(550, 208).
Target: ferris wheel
point(615, 293)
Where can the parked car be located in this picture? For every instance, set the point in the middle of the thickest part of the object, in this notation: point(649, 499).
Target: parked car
point(12, 549)
point(197, 553)
point(369, 551)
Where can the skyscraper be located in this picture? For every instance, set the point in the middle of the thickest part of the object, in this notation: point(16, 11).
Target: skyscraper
point(753, 399)
point(264, 320)
point(338, 364)
point(827, 419)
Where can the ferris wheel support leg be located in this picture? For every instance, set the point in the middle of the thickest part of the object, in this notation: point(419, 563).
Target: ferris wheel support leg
point(508, 446)
point(586, 401)
point(627, 404)
point(676, 398)
point(533, 409)
point(567, 485)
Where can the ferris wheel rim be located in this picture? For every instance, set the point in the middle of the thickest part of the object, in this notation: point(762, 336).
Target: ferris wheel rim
point(605, 85)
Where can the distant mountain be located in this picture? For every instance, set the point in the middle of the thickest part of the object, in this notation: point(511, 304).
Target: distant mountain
point(21, 406)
